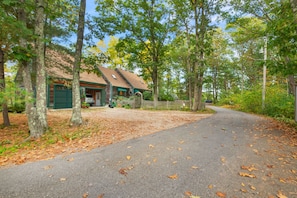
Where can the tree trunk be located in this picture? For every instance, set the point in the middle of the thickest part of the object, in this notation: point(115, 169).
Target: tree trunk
point(76, 118)
point(189, 66)
point(291, 80)
point(26, 73)
point(40, 69)
point(155, 84)
point(6, 121)
point(291, 85)
point(200, 31)
point(200, 90)
point(215, 92)
point(196, 64)
point(195, 102)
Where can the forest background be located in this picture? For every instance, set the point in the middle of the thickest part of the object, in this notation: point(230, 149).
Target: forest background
point(176, 46)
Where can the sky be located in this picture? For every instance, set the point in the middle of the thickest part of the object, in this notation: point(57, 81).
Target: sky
point(90, 10)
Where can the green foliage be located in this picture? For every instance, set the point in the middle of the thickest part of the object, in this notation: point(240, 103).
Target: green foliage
point(147, 95)
point(13, 96)
point(278, 103)
point(279, 18)
point(85, 105)
point(165, 96)
point(18, 107)
point(282, 36)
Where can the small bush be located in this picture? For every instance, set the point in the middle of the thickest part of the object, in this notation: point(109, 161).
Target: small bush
point(278, 103)
point(147, 95)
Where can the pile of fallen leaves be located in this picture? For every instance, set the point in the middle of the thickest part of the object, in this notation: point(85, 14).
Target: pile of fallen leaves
point(103, 126)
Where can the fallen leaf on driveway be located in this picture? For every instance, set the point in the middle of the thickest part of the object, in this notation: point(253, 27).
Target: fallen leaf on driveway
point(221, 194)
point(195, 167)
point(223, 160)
point(243, 190)
point(173, 176)
point(282, 180)
point(269, 174)
point(123, 171)
point(85, 195)
point(269, 166)
point(128, 157)
point(281, 195)
point(151, 146)
point(188, 193)
point(249, 168)
point(100, 196)
point(62, 179)
point(210, 186)
point(247, 175)
point(256, 151)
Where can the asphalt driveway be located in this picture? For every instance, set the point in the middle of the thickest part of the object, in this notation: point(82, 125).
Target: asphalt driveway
point(231, 154)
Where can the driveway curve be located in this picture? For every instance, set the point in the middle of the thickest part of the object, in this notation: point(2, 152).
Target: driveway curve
point(230, 154)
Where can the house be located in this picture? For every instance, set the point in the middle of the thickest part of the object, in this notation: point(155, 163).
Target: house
point(136, 83)
point(116, 85)
point(59, 72)
point(103, 84)
point(121, 83)
point(59, 78)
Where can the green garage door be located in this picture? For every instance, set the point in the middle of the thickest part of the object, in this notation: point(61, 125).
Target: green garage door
point(62, 97)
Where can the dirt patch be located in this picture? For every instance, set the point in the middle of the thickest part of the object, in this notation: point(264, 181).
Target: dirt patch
point(103, 126)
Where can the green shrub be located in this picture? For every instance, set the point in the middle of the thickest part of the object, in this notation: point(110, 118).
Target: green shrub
point(278, 103)
point(19, 107)
point(147, 95)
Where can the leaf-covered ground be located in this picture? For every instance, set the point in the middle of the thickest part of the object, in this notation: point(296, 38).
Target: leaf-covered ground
point(103, 126)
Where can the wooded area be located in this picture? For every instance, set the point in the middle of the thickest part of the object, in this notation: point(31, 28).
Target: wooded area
point(193, 50)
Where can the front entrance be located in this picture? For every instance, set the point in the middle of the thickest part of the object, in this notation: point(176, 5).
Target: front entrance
point(98, 99)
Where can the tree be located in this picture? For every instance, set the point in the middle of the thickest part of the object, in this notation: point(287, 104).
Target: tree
point(108, 54)
point(203, 10)
point(6, 121)
point(76, 118)
point(9, 36)
point(247, 37)
point(23, 54)
point(184, 15)
point(281, 32)
point(40, 70)
point(218, 66)
point(145, 25)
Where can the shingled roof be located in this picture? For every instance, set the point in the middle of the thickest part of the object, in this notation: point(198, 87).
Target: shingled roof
point(134, 80)
point(59, 65)
point(113, 77)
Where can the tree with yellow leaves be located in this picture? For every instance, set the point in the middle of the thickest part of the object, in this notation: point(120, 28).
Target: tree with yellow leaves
point(108, 54)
